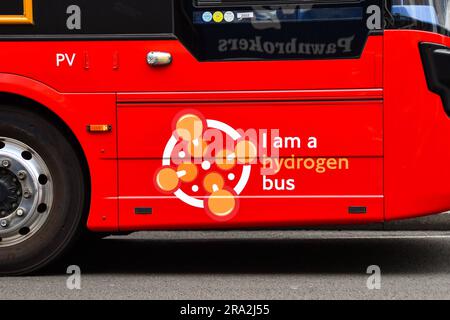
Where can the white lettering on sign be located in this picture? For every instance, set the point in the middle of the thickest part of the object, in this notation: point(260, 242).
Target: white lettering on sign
point(245, 15)
point(62, 58)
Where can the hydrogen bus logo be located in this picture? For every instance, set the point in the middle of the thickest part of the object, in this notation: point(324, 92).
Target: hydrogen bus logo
point(206, 164)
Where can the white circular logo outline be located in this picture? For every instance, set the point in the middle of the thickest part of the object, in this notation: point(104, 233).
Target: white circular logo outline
point(230, 131)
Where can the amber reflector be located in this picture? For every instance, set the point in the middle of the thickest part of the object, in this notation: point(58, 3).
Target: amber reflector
point(99, 128)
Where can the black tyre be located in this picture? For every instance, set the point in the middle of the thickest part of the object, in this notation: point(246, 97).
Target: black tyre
point(42, 192)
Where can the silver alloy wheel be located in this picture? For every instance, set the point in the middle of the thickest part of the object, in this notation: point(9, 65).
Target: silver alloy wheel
point(26, 192)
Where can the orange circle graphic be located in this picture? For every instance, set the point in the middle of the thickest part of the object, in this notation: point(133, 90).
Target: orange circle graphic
point(222, 203)
point(226, 159)
point(167, 180)
point(189, 127)
point(246, 152)
point(213, 182)
point(187, 171)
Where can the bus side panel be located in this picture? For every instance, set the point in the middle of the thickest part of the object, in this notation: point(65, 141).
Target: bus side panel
point(101, 153)
point(417, 131)
point(350, 130)
point(121, 66)
point(77, 111)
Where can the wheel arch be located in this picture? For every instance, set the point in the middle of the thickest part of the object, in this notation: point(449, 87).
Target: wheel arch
point(29, 94)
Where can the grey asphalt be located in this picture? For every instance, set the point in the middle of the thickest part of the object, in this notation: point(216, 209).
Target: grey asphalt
point(253, 265)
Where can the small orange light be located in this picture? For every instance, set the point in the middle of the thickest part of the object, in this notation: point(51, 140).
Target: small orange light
point(99, 128)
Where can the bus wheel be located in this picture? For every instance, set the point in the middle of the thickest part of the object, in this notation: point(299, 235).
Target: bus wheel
point(42, 192)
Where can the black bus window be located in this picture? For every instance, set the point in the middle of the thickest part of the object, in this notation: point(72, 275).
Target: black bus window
point(429, 15)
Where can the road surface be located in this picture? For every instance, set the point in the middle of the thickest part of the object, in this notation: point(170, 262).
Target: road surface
point(255, 265)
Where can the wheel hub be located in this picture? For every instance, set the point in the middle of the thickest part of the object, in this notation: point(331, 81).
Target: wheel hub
point(3, 193)
point(10, 193)
point(26, 192)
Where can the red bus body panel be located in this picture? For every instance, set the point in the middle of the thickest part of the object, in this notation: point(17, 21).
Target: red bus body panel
point(76, 110)
point(375, 111)
point(317, 198)
point(417, 131)
point(121, 66)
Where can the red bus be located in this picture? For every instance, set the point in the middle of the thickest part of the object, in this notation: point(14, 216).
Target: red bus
point(125, 115)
